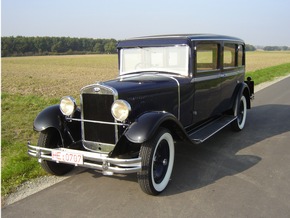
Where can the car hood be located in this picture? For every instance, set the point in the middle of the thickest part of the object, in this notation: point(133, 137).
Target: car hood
point(148, 92)
point(139, 83)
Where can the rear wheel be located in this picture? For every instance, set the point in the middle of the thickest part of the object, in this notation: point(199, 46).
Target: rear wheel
point(240, 111)
point(50, 138)
point(157, 162)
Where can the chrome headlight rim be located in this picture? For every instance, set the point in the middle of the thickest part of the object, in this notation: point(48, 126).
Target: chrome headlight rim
point(67, 105)
point(120, 110)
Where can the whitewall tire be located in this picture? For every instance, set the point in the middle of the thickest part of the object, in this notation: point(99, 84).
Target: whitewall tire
point(157, 162)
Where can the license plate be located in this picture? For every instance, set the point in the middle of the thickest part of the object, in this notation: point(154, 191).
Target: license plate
point(67, 157)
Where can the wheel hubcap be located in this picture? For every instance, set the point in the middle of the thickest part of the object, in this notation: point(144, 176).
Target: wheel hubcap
point(241, 113)
point(165, 162)
point(160, 161)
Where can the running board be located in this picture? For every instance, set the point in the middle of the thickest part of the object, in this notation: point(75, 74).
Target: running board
point(200, 135)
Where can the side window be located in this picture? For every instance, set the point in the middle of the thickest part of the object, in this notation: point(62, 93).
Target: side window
point(206, 57)
point(229, 55)
point(240, 55)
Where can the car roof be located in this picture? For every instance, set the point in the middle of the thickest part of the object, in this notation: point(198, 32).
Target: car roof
point(175, 39)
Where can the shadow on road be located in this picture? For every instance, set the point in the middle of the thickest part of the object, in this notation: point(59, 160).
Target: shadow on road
point(220, 156)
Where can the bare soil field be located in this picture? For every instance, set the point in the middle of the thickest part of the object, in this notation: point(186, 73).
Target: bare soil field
point(261, 59)
point(55, 76)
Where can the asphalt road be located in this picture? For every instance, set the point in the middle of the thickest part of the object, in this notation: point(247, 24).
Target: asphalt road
point(245, 174)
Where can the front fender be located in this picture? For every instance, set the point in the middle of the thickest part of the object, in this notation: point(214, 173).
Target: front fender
point(51, 117)
point(147, 124)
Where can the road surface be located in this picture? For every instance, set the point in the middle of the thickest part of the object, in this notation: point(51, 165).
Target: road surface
point(244, 174)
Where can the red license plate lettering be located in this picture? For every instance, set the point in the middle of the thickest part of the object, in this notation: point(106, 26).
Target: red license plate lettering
point(67, 157)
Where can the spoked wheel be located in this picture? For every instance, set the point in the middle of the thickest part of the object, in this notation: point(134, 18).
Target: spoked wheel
point(241, 112)
point(157, 162)
point(50, 138)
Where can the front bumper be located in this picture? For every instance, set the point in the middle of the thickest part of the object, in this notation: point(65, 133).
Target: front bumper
point(92, 160)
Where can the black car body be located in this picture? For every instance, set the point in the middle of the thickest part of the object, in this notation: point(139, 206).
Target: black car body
point(170, 88)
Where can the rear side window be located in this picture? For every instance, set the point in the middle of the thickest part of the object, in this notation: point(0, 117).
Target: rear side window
point(207, 56)
point(229, 55)
point(240, 55)
point(233, 55)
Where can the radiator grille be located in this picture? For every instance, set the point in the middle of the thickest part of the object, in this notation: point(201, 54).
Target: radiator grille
point(98, 108)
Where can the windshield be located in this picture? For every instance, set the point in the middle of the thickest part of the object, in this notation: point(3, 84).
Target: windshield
point(172, 59)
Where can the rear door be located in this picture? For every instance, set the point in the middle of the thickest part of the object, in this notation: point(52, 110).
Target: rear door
point(207, 78)
point(233, 69)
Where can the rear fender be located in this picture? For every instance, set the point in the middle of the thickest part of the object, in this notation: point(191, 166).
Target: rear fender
point(242, 89)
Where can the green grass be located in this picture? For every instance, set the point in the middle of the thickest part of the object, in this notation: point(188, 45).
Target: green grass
point(270, 73)
point(18, 113)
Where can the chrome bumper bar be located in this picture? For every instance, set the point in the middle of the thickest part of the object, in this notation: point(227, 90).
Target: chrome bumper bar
point(92, 160)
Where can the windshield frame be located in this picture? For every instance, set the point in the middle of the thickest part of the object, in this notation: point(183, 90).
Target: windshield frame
point(175, 57)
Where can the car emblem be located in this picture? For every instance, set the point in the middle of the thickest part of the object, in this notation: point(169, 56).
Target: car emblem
point(97, 89)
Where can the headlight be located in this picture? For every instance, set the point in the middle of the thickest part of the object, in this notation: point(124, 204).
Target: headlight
point(67, 105)
point(120, 110)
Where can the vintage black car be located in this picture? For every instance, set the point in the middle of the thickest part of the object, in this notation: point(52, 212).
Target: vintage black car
point(170, 88)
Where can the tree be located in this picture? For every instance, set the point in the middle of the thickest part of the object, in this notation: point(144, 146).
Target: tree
point(284, 48)
point(250, 48)
point(7, 46)
point(110, 46)
point(98, 48)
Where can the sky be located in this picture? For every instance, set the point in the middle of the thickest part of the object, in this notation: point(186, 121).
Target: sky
point(257, 22)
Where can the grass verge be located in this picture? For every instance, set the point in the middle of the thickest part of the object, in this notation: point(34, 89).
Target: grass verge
point(18, 113)
point(270, 73)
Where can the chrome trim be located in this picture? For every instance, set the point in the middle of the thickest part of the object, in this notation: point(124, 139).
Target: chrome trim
point(92, 160)
point(231, 71)
point(95, 121)
point(98, 147)
point(102, 90)
point(178, 95)
point(97, 89)
point(178, 92)
point(205, 78)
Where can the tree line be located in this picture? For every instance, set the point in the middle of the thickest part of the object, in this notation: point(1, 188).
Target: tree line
point(26, 46)
point(276, 48)
point(267, 48)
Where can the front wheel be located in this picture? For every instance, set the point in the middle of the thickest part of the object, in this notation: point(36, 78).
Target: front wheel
point(157, 162)
point(240, 112)
point(50, 138)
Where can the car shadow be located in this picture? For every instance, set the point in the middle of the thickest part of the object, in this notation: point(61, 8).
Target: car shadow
point(197, 166)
